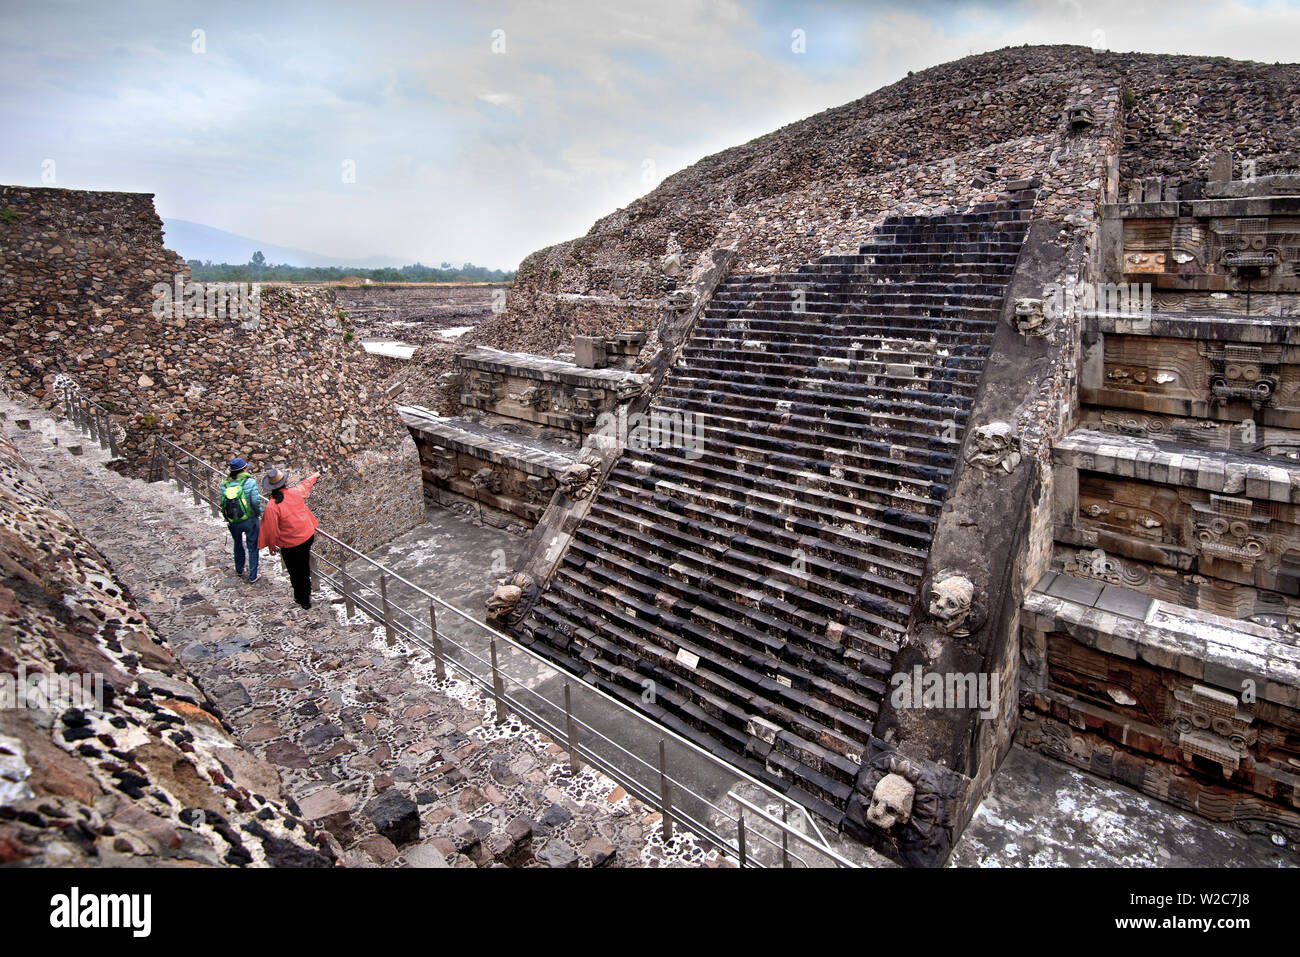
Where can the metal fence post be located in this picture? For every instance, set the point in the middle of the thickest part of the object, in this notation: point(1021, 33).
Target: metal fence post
point(498, 691)
point(177, 477)
point(349, 606)
point(194, 485)
point(313, 570)
point(439, 668)
point(571, 738)
point(740, 836)
point(112, 439)
point(91, 429)
point(665, 793)
point(388, 614)
point(99, 429)
point(785, 836)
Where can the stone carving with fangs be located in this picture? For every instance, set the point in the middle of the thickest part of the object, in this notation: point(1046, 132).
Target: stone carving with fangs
point(994, 447)
point(952, 605)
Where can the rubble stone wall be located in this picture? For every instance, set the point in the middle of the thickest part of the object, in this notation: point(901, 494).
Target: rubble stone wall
point(291, 386)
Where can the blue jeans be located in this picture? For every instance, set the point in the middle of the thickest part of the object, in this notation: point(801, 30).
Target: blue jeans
point(246, 531)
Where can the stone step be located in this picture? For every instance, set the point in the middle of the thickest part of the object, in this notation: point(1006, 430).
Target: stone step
point(865, 374)
point(843, 334)
point(620, 616)
point(757, 639)
point(841, 287)
point(921, 403)
point(783, 538)
point(936, 318)
point(777, 459)
point(764, 533)
point(812, 789)
point(727, 485)
point(861, 428)
point(881, 606)
point(787, 610)
point(742, 343)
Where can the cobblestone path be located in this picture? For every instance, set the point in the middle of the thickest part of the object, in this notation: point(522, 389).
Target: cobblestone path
point(349, 722)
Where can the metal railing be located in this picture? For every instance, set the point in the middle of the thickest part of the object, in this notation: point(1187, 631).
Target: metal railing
point(755, 837)
point(87, 414)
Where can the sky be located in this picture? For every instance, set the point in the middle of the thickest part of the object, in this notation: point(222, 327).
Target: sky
point(437, 131)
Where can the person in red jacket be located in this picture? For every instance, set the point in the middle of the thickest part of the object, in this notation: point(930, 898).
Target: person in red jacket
point(289, 525)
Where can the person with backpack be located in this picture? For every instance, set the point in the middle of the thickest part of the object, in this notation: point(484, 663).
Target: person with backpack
point(289, 525)
point(241, 507)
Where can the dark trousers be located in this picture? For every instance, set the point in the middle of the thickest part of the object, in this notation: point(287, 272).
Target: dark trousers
point(297, 562)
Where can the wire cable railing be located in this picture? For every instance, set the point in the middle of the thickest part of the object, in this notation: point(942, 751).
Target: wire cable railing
point(665, 770)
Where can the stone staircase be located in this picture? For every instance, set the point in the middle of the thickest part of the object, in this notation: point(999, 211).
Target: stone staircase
point(751, 590)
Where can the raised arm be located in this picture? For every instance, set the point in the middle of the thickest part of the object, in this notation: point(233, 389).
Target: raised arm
point(306, 484)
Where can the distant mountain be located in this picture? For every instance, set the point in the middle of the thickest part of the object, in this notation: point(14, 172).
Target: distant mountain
point(196, 241)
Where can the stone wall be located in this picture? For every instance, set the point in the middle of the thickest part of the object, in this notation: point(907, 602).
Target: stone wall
point(78, 271)
point(1159, 649)
point(371, 498)
point(145, 770)
point(1183, 110)
point(287, 386)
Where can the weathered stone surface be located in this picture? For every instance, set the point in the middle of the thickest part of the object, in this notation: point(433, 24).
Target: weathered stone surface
point(137, 760)
point(433, 741)
point(80, 274)
point(395, 816)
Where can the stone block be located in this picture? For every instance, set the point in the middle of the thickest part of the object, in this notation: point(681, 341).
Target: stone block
point(395, 816)
point(589, 352)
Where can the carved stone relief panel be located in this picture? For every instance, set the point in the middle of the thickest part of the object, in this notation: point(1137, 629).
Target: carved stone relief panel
point(1098, 564)
point(1254, 247)
point(530, 394)
point(1242, 372)
point(1210, 722)
point(1156, 366)
point(1112, 683)
point(1149, 512)
point(1234, 530)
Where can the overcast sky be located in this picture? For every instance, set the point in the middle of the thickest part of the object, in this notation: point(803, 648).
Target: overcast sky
point(468, 143)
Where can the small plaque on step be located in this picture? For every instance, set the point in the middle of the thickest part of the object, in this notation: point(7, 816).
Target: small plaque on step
point(688, 659)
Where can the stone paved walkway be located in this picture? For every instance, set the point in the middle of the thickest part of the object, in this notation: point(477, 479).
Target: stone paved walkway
point(353, 726)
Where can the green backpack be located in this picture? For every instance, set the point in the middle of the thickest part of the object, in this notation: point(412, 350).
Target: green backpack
point(235, 506)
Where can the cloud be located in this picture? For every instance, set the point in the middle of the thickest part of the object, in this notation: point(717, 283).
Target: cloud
point(465, 153)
